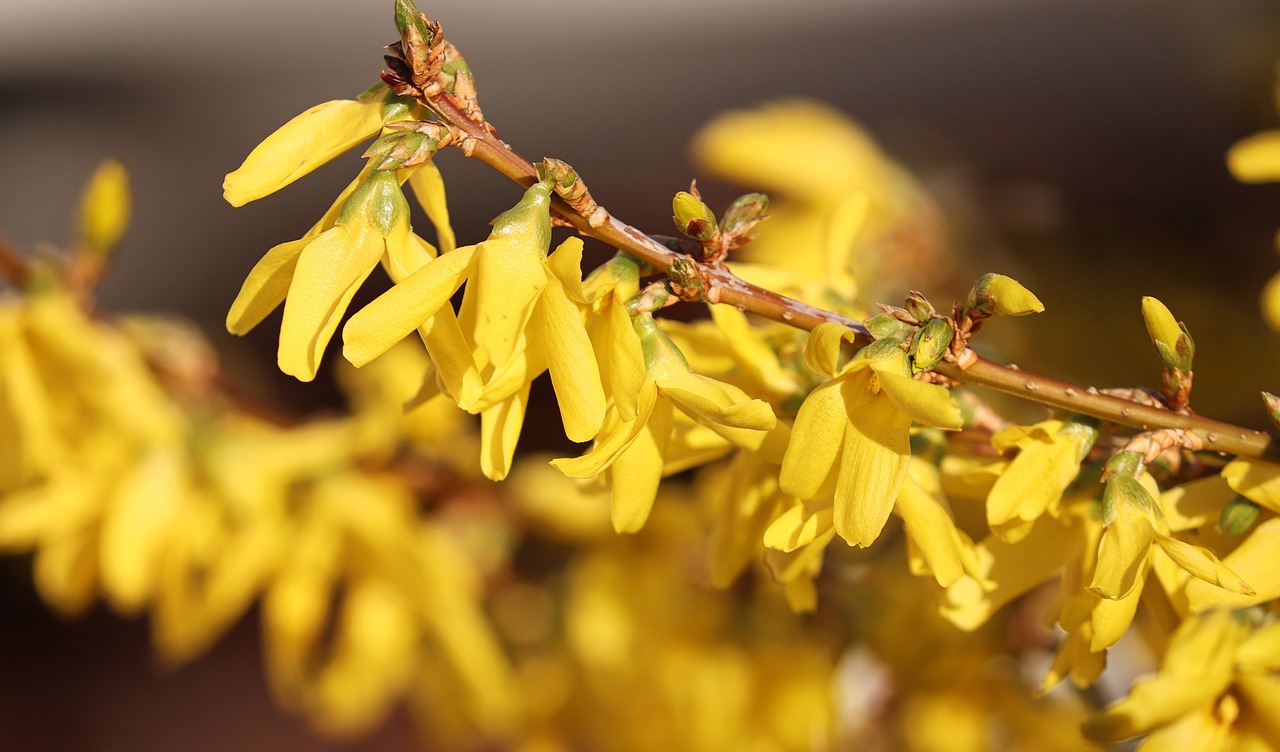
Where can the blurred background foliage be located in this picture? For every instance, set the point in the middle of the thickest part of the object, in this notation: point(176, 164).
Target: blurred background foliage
point(1075, 145)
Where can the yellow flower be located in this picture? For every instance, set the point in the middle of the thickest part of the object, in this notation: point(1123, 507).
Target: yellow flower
point(516, 321)
point(1216, 689)
point(851, 436)
point(309, 141)
point(1048, 460)
point(317, 276)
point(632, 453)
point(936, 546)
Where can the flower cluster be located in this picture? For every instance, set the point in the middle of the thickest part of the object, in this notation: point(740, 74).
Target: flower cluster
point(643, 593)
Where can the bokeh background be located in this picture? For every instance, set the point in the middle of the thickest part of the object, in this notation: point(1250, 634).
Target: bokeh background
point(1074, 144)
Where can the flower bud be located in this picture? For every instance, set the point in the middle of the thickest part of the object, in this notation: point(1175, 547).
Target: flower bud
point(1003, 296)
point(692, 217)
point(1172, 341)
point(105, 208)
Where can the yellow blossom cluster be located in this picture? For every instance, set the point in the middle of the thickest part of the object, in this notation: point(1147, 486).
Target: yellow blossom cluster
point(772, 539)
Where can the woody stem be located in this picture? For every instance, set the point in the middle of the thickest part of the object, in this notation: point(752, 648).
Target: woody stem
point(724, 287)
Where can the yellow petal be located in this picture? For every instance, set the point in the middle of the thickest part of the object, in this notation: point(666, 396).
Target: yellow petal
point(1261, 650)
point(1033, 481)
point(1270, 302)
point(1256, 480)
point(714, 403)
point(1254, 562)
point(932, 530)
point(266, 286)
point(798, 526)
point(500, 432)
point(500, 294)
point(300, 146)
point(66, 572)
point(134, 529)
point(816, 441)
point(1256, 159)
point(1201, 562)
point(757, 361)
point(1195, 504)
point(571, 361)
point(927, 404)
point(453, 358)
point(872, 468)
point(615, 436)
point(822, 351)
point(1111, 619)
point(1122, 554)
point(394, 314)
point(1010, 569)
point(634, 476)
point(330, 270)
point(620, 358)
point(407, 255)
point(1196, 669)
point(428, 187)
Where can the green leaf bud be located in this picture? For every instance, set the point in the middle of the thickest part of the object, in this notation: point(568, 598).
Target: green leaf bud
point(406, 15)
point(744, 213)
point(398, 149)
point(1238, 516)
point(1273, 408)
point(930, 344)
point(888, 326)
point(918, 306)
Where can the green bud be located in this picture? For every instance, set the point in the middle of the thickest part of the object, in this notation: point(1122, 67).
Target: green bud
point(398, 149)
point(887, 326)
point(406, 15)
point(996, 294)
point(930, 344)
point(692, 217)
point(1273, 407)
point(1238, 516)
point(1122, 486)
point(1173, 342)
point(744, 213)
point(918, 306)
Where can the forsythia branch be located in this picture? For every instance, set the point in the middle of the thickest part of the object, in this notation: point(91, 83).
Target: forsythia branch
point(722, 286)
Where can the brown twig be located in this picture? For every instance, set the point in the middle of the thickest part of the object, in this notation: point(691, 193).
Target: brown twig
point(479, 140)
point(13, 268)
